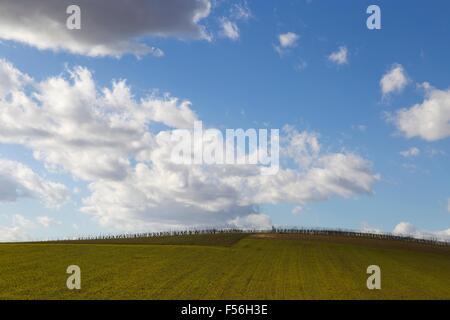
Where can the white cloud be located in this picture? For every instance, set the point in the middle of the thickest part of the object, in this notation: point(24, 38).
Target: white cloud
point(47, 221)
point(394, 80)
point(229, 29)
point(407, 229)
point(286, 41)
point(11, 79)
point(19, 181)
point(102, 136)
point(241, 11)
point(17, 230)
point(297, 210)
point(404, 228)
point(340, 56)
point(429, 120)
point(70, 125)
point(258, 221)
point(410, 153)
point(211, 195)
point(366, 227)
point(108, 28)
point(20, 227)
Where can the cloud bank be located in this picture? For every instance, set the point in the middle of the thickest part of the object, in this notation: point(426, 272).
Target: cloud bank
point(103, 136)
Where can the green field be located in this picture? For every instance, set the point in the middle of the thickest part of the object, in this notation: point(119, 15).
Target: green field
point(226, 266)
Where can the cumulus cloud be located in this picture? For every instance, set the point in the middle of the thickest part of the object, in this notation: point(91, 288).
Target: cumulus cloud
point(409, 230)
point(103, 137)
point(429, 120)
point(286, 41)
point(404, 228)
point(19, 181)
point(410, 153)
point(252, 221)
point(11, 79)
point(217, 194)
point(394, 80)
point(230, 29)
point(69, 125)
point(340, 56)
point(366, 227)
point(108, 28)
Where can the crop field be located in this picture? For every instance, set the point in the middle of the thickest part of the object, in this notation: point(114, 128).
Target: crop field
point(226, 266)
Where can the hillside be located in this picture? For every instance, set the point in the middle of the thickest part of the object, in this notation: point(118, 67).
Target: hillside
point(226, 266)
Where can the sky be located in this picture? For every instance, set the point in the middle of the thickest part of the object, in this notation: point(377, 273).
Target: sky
point(86, 115)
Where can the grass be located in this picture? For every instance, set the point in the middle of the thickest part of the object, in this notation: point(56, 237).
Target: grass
point(226, 266)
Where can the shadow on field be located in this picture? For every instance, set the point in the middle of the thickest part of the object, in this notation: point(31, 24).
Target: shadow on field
point(361, 241)
point(217, 239)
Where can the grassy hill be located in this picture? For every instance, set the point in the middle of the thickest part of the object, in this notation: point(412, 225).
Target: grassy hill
point(226, 266)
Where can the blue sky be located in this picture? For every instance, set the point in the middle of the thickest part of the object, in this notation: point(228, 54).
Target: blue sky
point(245, 83)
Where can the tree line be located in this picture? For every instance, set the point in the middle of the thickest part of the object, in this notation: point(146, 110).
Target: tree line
point(277, 230)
